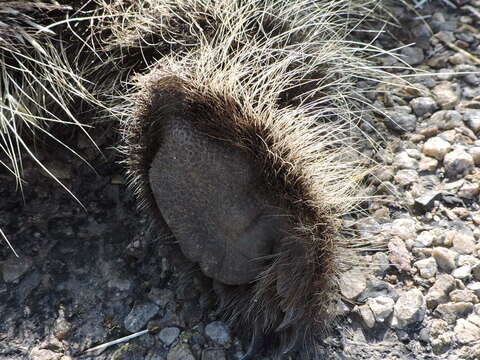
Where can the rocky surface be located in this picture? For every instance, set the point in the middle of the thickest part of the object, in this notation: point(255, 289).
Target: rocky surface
point(88, 275)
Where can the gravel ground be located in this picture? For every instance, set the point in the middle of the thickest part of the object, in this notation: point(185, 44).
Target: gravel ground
point(90, 275)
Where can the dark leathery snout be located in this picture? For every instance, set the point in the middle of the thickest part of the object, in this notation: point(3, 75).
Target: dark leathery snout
point(215, 202)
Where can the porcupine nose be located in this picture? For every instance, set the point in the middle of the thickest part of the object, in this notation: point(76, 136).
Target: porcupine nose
point(212, 197)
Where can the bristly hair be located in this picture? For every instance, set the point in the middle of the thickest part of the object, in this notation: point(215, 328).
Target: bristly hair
point(278, 79)
point(38, 81)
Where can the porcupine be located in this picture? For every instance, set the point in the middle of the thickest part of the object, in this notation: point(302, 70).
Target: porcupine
point(239, 140)
point(243, 146)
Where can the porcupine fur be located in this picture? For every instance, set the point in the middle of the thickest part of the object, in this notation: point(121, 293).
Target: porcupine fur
point(277, 81)
point(274, 79)
point(39, 85)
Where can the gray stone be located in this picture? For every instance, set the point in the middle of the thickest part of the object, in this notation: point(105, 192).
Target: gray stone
point(472, 118)
point(180, 352)
point(466, 332)
point(446, 95)
point(14, 268)
point(412, 55)
point(380, 263)
point(458, 163)
point(139, 316)
point(451, 311)
point(155, 354)
point(404, 161)
point(447, 119)
point(401, 122)
point(475, 287)
point(476, 271)
point(218, 332)
point(169, 335)
point(423, 105)
point(436, 147)
point(214, 354)
point(425, 202)
point(409, 309)
point(162, 297)
point(445, 258)
point(352, 284)
point(376, 288)
point(381, 306)
point(129, 352)
point(439, 292)
point(463, 272)
point(427, 267)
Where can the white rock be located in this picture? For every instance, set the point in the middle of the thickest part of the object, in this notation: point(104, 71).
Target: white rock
point(445, 258)
point(475, 152)
point(425, 239)
point(367, 316)
point(472, 118)
point(409, 309)
point(406, 177)
point(446, 95)
point(466, 332)
point(381, 306)
point(475, 287)
point(352, 284)
point(427, 164)
point(436, 147)
point(464, 295)
point(463, 272)
point(404, 161)
point(438, 293)
point(403, 228)
point(464, 242)
point(427, 267)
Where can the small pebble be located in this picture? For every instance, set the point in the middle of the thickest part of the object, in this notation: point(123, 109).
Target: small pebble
point(169, 335)
point(445, 95)
point(440, 291)
point(423, 105)
point(218, 332)
point(382, 307)
point(409, 309)
point(427, 267)
point(436, 147)
point(445, 258)
point(352, 284)
point(466, 332)
point(458, 162)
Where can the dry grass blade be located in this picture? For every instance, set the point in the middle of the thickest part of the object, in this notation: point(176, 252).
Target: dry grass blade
point(8, 243)
point(38, 83)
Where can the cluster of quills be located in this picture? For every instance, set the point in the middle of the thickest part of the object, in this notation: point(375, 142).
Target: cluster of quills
point(237, 120)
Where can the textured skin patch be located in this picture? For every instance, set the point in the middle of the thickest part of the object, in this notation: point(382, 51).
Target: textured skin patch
point(213, 200)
